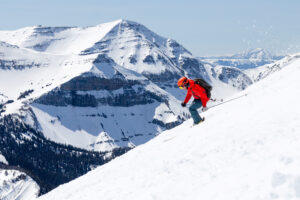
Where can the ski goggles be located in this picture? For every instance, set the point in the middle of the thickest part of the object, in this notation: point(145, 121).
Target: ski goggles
point(182, 87)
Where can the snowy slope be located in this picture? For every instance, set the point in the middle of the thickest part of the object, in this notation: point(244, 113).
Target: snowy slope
point(246, 149)
point(17, 185)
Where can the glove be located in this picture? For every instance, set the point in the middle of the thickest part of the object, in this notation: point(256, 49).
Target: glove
point(204, 109)
point(183, 104)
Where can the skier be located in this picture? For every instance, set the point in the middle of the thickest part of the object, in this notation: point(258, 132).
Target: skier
point(199, 94)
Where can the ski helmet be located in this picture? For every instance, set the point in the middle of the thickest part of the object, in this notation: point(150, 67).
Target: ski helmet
point(183, 81)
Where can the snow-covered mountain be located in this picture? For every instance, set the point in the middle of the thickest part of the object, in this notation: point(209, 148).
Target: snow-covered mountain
point(85, 95)
point(246, 149)
point(246, 60)
point(17, 185)
point(87, 86)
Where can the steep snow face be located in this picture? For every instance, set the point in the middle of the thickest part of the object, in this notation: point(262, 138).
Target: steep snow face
point(246, 149)
point(17, 185)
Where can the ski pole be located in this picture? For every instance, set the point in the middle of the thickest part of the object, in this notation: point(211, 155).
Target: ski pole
point(227, 101)
point(214, 100)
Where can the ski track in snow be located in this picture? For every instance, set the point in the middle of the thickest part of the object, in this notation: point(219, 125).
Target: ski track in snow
point(246, 149)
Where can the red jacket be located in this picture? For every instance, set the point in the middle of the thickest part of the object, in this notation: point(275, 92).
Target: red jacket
point(197, 91)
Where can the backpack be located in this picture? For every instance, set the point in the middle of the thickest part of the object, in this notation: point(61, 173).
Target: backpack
point(205, 85)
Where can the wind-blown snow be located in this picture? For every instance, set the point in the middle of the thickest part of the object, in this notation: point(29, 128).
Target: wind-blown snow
point(246, 149)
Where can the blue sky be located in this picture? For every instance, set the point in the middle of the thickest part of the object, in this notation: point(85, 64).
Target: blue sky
point(212, 27)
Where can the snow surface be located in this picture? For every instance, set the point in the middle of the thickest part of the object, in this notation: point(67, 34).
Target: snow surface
point(246, 149)
point(15, 185)
point(3, 159)
point(82, 127)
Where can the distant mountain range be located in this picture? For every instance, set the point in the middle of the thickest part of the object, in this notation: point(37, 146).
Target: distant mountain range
point(245, 60)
